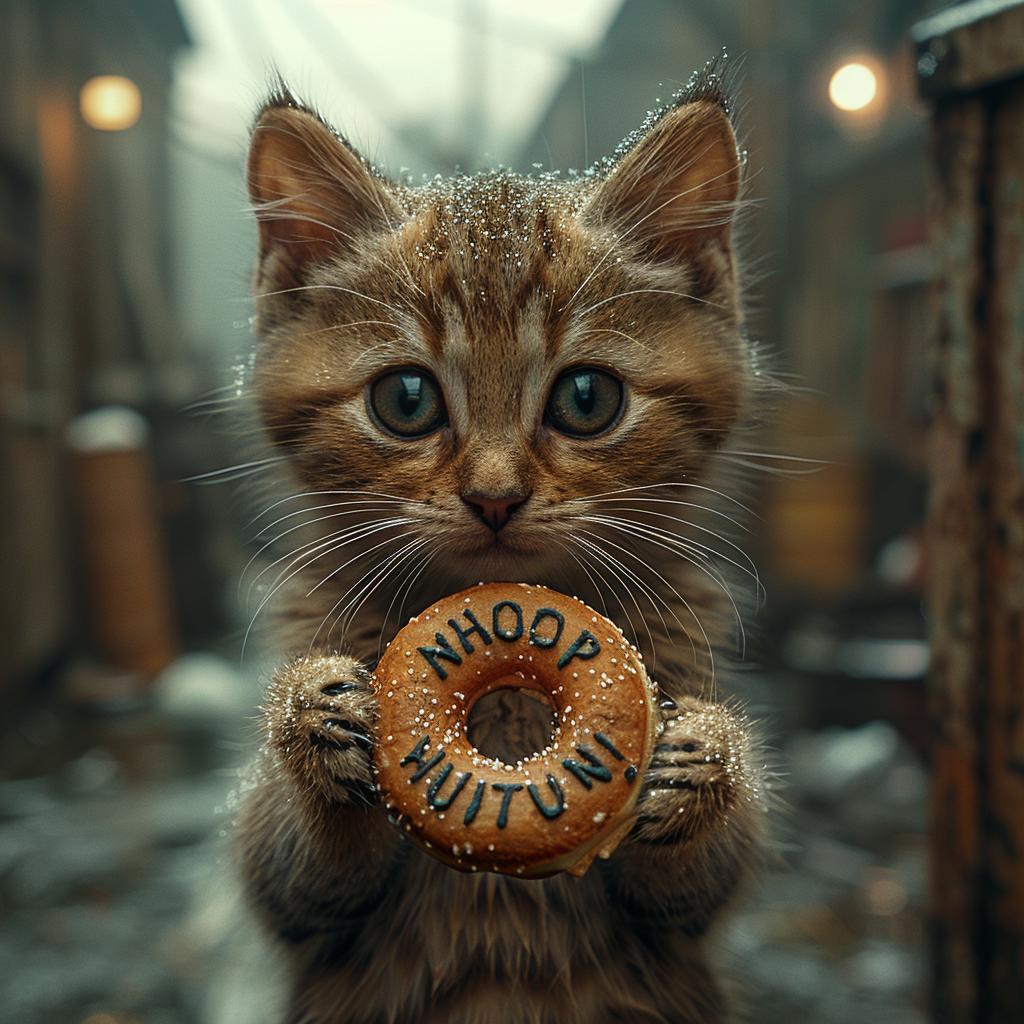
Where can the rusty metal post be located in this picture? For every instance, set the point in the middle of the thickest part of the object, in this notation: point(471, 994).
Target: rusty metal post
point(970, 61)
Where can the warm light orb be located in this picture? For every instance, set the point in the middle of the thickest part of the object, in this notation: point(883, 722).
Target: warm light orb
point(110, 102)
point(853, 87)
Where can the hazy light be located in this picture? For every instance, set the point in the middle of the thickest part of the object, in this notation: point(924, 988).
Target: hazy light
point(110, 102)
point(853, 87)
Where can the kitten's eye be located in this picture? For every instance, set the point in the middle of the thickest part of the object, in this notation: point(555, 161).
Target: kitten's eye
point(584, 401)
point(408, 402)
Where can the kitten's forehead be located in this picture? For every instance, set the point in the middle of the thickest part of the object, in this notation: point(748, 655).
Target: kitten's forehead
point(482, 249)
point(486, 375)
point(501, 206)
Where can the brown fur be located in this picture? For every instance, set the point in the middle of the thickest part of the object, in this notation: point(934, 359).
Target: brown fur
point(495, 284)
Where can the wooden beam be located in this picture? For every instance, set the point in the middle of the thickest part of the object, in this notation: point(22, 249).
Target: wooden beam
point(976, 510)
point(970, 46)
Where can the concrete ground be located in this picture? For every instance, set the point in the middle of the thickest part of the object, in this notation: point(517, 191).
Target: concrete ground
point(120, 906)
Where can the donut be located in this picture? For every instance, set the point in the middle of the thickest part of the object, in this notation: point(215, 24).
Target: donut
point(554, 810)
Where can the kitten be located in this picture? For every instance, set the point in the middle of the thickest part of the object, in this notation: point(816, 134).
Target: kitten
point(499, 378)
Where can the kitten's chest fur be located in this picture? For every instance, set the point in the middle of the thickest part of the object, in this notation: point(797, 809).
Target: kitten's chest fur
point(483, 948)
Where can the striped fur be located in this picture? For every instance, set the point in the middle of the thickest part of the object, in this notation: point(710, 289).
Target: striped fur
point(496, 284)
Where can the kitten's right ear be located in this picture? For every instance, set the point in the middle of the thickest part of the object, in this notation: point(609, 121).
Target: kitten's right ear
point(314, 196)
point(675, 192)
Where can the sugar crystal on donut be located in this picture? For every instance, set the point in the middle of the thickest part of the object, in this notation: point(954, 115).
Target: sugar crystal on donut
point(555, 807)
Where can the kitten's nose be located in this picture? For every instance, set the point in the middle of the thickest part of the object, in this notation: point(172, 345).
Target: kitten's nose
point(495, 512)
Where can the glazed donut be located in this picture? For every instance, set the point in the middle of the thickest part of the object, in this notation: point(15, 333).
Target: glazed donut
point(554, 810)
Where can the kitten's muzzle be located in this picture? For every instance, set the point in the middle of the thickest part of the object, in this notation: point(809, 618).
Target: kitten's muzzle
point(494, 512)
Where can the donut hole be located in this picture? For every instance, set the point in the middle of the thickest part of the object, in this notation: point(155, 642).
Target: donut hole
point(510, 723)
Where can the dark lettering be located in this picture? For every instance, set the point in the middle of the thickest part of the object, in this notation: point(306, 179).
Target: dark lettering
point(509, 790)
point(435, 787)
point(474, 804)
point(576, 650)
point(464, 633)
point(415, 756)
point(443, 651)
point(631, 773)
point(512, 634)
point(608, 745)
point(586, 772)
point(548, 812)
point(542, 614)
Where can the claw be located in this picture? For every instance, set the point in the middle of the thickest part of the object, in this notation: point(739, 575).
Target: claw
point(355, 732)
point(686, 748)
point(336, 689)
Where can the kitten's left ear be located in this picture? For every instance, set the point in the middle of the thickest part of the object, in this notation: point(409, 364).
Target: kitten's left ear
point(314, 196)
point(675, 192)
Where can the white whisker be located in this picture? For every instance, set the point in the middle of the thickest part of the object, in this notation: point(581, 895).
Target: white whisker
point(667, 501)
point(331, 547)
point(332, 542)
point(673, 483)
point(616, 568)
point(402, 590)
point(750, 569)
point(332, 288)
point(325, 494)
point(696, 559)
point(625, 611)
point(679, 597)
point(395, 555)
point(230, 473)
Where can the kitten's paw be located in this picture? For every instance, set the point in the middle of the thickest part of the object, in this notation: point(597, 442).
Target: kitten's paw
point(321, 714)
point(699, 775)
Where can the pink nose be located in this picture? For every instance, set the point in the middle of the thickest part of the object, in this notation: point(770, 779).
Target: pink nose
point(495, 512)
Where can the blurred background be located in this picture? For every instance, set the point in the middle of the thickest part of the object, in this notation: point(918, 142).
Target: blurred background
point(126, 248)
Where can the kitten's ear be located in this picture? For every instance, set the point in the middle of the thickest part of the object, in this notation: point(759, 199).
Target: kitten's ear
point(314, 197)
point(676, 190)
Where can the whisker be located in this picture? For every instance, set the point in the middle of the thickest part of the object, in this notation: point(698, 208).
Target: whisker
point(648, 291)
point(614, 566)
point(621, 334)
point(625, 611)
point(331, 548)
point(353, 587)
point(593, 582)
point(335, 572)
point(317, 508)
point(689, 542)
point(671, 501)
point(695, 559)
point(353, 323)
point(334, 541)
point(777, 456)
point(683, 601)
point(402, 590)
point(778, 470)
point(325, 494)
point(672, 483)
point(417, 542)
point(648, 590)
point(229, 473)
point(396, 559)
point(332, 288)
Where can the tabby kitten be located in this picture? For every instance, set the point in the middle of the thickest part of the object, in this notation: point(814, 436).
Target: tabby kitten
point(498, 378)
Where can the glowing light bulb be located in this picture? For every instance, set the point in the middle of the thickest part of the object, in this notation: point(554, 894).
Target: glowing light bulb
point(853, 87)
point(110, 102)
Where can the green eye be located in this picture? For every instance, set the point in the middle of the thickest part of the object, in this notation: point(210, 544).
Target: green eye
point(584, 401)
point(408, 402)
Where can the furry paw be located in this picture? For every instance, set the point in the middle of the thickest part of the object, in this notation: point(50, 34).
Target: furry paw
point(320, 717)
point(699, 775)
